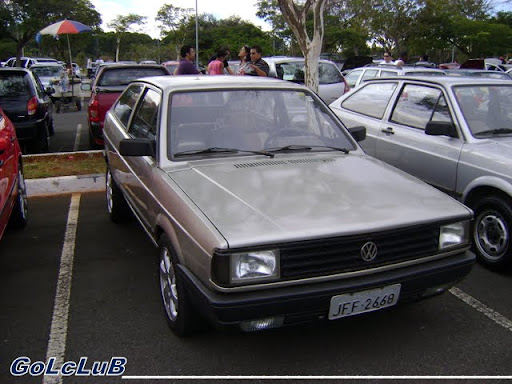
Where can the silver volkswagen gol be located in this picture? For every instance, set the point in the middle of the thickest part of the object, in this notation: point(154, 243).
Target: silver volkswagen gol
point(455, 133)
point(265, 210)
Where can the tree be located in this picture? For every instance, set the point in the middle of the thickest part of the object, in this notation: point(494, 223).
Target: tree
point(311, 46)
point(20, 20)
point(172, 18)
point(122, 24)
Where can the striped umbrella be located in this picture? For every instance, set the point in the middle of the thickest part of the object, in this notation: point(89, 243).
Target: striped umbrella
point(66, 27)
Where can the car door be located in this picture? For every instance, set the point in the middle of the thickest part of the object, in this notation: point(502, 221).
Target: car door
point(366, 106)
point(402, 141)
point(143, 125)
point(8, 167)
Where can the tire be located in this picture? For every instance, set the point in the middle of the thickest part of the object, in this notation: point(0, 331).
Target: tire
point(41, 143)
point(78, 104)
point(181, 316)
point(92, 143)
point(58, 106)
point(117, 207)
point(19, 215)
point(491, 233)
point(51, 128)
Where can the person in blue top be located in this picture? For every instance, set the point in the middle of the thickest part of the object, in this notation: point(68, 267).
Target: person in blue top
point(186, 65)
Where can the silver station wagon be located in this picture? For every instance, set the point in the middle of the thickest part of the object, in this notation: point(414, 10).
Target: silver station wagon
point(454, 133)
point(265, 210)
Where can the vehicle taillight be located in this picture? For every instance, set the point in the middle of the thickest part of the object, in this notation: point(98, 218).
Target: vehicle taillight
point(32, 106)
point(94, 110)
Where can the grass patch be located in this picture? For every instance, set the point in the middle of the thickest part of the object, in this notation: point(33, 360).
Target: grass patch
point(63, 164)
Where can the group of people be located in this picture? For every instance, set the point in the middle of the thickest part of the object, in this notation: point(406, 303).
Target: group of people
point(251, 63)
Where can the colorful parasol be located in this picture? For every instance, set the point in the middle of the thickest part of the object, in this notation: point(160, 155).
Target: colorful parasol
point(65, 27)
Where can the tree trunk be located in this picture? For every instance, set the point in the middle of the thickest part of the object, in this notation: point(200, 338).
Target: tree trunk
point(295, 16)
point(118, 44)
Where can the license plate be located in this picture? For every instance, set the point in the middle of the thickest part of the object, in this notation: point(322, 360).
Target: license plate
point(365, 301)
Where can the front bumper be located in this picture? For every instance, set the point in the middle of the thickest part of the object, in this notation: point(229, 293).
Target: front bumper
point(309, 302)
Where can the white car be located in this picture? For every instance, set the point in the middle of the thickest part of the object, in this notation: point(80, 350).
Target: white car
point(332, 84)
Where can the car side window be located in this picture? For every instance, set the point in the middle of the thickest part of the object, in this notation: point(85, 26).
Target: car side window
point(418, 104)
point(371, 100)
point(124, 106)
point(352, 77)
point(388, 73)
point(369, 74)
point(144, 121)
point(328, 74)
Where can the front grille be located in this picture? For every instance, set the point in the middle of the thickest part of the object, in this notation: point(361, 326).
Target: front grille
point(343, 254)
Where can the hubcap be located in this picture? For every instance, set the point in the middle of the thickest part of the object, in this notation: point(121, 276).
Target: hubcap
point(168, 285)
point(492, 236)
point(22, 194)
point(108, 190)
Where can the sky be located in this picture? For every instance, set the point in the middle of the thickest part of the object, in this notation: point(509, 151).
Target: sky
point(221, 9)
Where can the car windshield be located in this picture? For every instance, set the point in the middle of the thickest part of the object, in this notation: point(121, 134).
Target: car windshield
point(328, 73)
point(124, 76)
point(49, 71)
point(240, 121)
point(486, 108)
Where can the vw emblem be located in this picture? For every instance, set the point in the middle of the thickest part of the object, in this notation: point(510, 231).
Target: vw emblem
point(369, 251)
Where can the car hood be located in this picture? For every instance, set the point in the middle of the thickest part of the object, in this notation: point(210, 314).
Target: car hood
point(267, 201)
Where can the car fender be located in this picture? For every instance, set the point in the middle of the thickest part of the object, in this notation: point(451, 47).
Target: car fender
point(487, 182)
point(166, 225)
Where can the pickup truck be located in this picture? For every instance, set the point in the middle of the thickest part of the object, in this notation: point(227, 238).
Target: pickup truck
point(109, 83)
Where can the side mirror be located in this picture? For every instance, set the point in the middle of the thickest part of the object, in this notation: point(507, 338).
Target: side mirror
point(358, 133)
point(441, 128)
point(85, 87)
point(137, 147)
point(49, 90)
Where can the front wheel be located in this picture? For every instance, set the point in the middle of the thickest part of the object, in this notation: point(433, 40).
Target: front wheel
point(491, 234)
point(19, 215)
point(181, 317)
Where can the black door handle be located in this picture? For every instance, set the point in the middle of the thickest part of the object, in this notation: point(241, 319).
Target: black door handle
point(388, 130)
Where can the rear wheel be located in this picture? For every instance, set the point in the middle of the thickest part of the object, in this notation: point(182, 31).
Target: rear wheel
point(41, 143)
point(117, 206)
point(491, 234)
point(19, 215)
point(78, 104)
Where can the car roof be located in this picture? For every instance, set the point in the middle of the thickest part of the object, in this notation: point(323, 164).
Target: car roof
point(447, 81)
point(287, 59)
point(188, 82)
point(46, 64)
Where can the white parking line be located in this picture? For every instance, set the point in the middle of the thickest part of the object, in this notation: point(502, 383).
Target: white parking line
point(77, 137)
point(481, 307)
point(59, 327)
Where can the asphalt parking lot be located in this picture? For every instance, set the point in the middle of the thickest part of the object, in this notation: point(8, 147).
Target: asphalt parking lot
point(76, 285)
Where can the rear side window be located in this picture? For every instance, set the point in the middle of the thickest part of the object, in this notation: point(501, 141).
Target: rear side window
point(352, 77)
point(124, 76)
point(124, 106)
point(371, 100)
point(14, 85)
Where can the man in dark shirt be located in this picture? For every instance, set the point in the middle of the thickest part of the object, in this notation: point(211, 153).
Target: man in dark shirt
point(186, 65)
point(258, 66)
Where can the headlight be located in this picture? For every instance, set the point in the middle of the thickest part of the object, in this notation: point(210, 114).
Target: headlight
point(454, 234)
point(256, 265)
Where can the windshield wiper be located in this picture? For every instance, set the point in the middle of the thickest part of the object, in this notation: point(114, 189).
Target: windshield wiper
point(220, 150)
point(295, 147)
point(496, 131)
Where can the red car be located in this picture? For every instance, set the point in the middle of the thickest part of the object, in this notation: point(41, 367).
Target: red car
point(110, 82)
point(13, 193)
